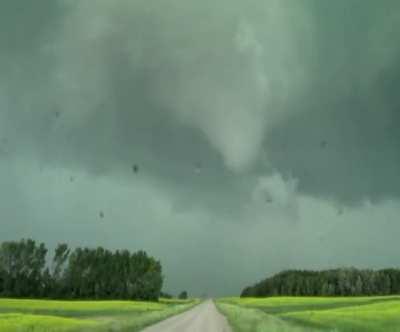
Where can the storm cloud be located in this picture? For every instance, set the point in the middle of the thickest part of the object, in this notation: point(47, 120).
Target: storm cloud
point(265, 133)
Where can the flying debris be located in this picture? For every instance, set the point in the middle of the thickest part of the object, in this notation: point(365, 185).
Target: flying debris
point(268, 198)
point(135, 168)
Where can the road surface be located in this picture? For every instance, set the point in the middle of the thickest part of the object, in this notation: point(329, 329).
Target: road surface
point(202, 318)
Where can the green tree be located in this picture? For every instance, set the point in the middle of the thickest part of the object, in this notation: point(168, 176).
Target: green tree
point(82, 273)
point(358, 286)
point(22, 264)
point(183, 295)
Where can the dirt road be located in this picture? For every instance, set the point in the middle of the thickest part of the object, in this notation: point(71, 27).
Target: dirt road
point(202, 318)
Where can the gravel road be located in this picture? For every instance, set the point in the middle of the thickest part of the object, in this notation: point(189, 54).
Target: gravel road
point(202, 318)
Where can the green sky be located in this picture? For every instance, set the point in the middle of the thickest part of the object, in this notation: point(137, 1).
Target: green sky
point(266, 132)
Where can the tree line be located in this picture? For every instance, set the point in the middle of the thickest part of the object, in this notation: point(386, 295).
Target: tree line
point(80, 273)
point(335, 282)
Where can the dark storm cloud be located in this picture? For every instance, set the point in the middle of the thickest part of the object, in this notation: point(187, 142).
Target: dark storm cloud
point(240, 116)
point(101, 93)
point(122, 125)
point(342, 142)
point(131, 65)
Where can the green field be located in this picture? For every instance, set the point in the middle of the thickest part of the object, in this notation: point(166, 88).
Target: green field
point(301, 314)
point(71, 316)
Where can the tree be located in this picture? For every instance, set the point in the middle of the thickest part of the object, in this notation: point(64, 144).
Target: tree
point(22, 264)
point(82, 273)
point(60, 257)
point(358, 286)
point(1, 281)
point(343, 282)
point(183, 295)
point(166, 295)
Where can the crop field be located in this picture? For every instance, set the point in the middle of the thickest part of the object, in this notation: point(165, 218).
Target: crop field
point(301, 314)
point(73, 316)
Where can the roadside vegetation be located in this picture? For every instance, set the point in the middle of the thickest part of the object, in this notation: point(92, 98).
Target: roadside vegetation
point(335, 282)
point(73, 316)
point(81, 289)
point(80, 273)
point(314, 314)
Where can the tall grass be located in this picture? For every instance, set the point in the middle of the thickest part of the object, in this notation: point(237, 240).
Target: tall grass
point(74, 316)
point(339, 314)
point(383, 317)
point(254, 320)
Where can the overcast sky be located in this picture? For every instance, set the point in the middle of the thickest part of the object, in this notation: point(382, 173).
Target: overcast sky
point(265, 132)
